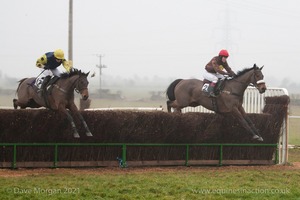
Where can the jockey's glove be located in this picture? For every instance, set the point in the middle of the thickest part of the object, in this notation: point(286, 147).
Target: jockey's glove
point(40, 65)
point(68, 65)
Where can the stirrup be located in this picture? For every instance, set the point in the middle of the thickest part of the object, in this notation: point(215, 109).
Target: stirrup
point(212, 94)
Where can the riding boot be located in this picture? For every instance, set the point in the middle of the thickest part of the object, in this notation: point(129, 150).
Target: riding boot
point(211, 89)
point(52, 81)
point(44, 85)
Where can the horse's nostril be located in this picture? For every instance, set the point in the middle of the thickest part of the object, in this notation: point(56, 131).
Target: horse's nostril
point(85, 97)
point(263, 90)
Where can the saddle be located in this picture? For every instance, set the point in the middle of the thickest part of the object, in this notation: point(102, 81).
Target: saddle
point(50, 83)
point(45, 86)
point(218, 88)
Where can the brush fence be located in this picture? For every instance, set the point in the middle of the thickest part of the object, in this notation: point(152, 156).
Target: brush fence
point(43, 138)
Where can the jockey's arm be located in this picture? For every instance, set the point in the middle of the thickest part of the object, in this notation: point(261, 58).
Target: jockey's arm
point(229, 70)
point(218, 68)
point(67, 65)
point(42, 61)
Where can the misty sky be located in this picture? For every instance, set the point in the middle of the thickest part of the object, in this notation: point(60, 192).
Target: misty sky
point(167, 38)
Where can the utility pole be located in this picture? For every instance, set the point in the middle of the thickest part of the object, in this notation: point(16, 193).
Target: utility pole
point(70, 51)
point(100, 66)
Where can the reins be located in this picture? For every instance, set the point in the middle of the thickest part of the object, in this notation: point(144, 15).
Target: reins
point(76, 88)
point(243, 83)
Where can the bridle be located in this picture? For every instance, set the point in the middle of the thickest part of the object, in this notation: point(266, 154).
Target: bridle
point(79, 87)
point(257, 82)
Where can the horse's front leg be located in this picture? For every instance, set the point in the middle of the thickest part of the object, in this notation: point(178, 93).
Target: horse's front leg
point(88, 132)
point(240, 116)
point(71, 120)
point(74, 109)
point(63, 110)
point(251, 124)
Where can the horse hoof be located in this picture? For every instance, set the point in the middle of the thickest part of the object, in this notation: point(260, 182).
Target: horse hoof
point(15, 103)
point(89, 134)
point(256, 137)
point(76, 135)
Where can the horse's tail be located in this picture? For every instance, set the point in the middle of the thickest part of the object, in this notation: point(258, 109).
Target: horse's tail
point(20, 82)
point(170, 91)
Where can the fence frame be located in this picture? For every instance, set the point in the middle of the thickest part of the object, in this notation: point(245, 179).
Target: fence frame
point(123, 162)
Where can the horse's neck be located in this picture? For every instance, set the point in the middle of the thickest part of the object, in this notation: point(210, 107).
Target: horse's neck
point(68, 83)
point(241, 83)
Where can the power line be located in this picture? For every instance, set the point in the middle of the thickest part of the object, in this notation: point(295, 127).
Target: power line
point(100, 66)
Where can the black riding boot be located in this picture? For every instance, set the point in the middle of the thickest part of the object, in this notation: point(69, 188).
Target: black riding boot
point(52, 81)
point(211, 90)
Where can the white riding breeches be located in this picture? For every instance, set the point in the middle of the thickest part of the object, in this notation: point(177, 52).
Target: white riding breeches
point(39, 80)
point(51, 72)
point(213, 77)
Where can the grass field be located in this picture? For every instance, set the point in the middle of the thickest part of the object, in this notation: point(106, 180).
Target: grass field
point(245, 182)
point(294, 126)
point(227, 182)
point(294, 155)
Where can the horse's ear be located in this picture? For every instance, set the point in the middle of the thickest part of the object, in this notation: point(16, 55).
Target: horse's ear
point(254, 66)
point(262, 67)
point(87, 74)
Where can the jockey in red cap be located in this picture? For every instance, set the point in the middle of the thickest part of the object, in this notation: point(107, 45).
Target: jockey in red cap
point(217, 68)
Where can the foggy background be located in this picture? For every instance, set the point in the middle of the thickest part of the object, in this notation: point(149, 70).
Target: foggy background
point(152, 42)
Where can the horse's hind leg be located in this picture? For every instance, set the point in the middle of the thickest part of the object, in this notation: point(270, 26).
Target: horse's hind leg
point(169, 105)
point(173, 104)
point(17, 103)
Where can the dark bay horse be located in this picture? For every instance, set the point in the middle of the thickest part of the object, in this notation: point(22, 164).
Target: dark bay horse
point(188, 92)
point(60, 98)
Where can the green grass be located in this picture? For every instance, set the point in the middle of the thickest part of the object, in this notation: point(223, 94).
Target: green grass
point(294, 155)
point(294, 131)
point(294, 126)
point(156, 183)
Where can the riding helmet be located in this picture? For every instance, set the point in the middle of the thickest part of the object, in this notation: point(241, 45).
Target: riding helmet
point(59, 54)
point(224, 53)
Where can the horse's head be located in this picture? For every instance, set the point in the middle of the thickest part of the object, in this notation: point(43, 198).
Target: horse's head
point(257, 79)
point(82, 86)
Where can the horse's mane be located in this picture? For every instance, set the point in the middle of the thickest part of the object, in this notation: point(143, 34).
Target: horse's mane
point(72, 73)
point(240, 73)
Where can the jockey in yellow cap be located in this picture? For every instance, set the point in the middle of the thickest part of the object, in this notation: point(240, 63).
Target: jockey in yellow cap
point(49, 62)
point(52, 60)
